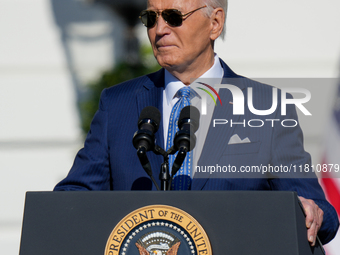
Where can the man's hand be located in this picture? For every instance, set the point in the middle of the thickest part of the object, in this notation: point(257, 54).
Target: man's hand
point(314, 218)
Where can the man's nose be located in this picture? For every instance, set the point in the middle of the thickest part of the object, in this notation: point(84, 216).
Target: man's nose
point(161, 26)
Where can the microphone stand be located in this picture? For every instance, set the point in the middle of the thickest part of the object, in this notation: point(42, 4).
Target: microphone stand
point(177, 163)
point(164, 175)
point(184, 148)
point(141, 153)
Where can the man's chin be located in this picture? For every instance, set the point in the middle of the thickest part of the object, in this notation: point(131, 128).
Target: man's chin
point(166, 63)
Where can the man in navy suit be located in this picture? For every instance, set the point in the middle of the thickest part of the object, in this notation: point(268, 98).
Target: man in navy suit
point(182, 35)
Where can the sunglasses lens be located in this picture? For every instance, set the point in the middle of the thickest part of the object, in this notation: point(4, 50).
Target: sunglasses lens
point(172, 17)
point(148, 18)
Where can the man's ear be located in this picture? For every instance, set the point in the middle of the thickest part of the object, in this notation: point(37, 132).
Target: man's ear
point(217, 22)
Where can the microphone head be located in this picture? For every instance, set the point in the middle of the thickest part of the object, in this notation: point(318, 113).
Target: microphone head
point(151, 115)
point(189, 115)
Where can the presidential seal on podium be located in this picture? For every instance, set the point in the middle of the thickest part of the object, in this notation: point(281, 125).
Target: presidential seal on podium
point(158, 230)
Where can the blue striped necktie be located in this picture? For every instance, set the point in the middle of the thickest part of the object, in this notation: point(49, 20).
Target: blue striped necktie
point(182, 179)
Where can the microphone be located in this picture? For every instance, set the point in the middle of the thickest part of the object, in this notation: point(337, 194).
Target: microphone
point(148, 124)
point(144, 139)
point(188, 124)
point(185, 138)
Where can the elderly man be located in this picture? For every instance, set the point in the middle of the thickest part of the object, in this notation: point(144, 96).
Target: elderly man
point(182, 34)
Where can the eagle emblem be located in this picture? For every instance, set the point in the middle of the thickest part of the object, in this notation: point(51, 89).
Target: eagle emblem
point(158, 243)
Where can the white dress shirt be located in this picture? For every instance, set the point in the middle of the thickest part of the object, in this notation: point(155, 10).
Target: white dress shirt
point(172, 85)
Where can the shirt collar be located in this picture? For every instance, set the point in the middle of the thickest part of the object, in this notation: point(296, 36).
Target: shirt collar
point(172, 84)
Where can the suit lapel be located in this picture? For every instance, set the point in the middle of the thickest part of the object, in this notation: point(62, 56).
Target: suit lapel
point(218, 137)
point(152, 95)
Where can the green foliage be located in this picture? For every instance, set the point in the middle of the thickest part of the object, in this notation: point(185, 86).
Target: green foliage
point(123, 71)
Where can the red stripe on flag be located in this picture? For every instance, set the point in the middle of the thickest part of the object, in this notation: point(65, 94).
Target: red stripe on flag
point(332, 191)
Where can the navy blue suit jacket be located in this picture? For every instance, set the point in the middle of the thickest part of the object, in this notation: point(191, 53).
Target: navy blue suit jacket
point(108, 160)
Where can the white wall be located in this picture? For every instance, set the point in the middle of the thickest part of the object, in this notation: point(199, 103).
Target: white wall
point(46, 56)
point(41, 74)
point(283, 38)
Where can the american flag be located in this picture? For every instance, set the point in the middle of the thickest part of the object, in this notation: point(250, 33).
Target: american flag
point(330, 179)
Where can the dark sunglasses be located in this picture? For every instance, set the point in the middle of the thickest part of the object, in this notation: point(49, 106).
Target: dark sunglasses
point(172, 17)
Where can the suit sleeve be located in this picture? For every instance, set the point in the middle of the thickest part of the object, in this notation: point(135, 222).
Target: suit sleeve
point(91, 168)
point(288, 150)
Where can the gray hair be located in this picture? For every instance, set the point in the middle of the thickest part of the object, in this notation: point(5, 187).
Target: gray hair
point(213, 4)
